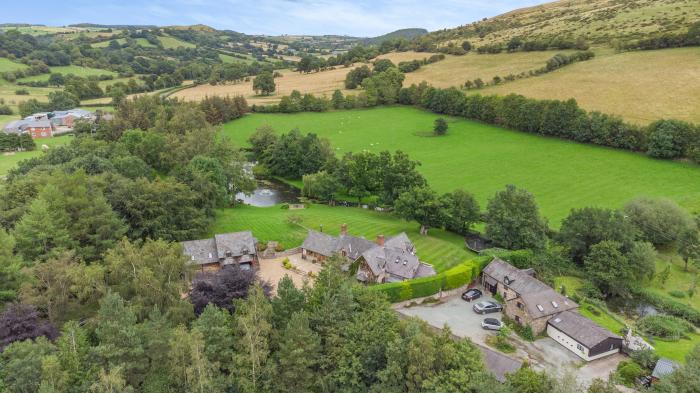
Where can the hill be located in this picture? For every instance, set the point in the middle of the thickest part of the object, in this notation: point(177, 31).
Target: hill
point(402, 33)
point(597, 21)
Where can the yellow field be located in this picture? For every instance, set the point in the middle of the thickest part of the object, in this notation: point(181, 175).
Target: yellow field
point(455, 70)
point(639, 86)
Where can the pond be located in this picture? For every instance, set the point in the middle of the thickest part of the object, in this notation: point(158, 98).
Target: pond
point(269, 193)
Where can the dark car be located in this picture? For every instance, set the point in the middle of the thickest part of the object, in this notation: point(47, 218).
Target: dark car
point(471, 294)
point(487, 307)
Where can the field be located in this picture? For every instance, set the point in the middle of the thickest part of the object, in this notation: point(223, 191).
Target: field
point(9, 160)
point(639, 86)
point(455, 70)
point(71, 69)
point(140, 41)
point(483, 159)
point(172, 43)
point(441, 249)
point(7, 65)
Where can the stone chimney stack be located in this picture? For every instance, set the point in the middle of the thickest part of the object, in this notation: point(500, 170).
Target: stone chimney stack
point(380, 240)
point(344, 229)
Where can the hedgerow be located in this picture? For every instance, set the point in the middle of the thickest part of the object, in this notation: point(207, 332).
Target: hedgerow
point(426, 286)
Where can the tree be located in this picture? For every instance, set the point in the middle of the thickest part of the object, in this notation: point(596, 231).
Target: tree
point(660, 221)
point(527, 380)
point(467, 46)
point(21, 365)
point(297, 356)
point(583, 228)
point(321, 185)
point(440, 126)
point(689, 246)
point(189, 366)
point(120, 345)
point(422, 205)
point(669, 138)
point(289, 300)
point(513, 220)
point(261, 141)
point(221, 288)
point(398, 174)
point(461, 211)
point(150, 275)
point(111, 381)
point(217, 327)
point(62, 100)
point(74, 354)
point(643, 255)
point(609, 269)
point(355, 77)
point(20, 322)
point(264, 84)
point(10, 265)
point(600, 386)
point(42, 232)
point(382, 65)
point(383, 88)
point(253, 330)
point(338, 100)
point(685, 379)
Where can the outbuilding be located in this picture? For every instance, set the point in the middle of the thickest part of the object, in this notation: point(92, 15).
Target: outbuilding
point(582, 336)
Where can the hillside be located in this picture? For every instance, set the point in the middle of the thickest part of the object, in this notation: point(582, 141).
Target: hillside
point(402, 33)
point(598, 21)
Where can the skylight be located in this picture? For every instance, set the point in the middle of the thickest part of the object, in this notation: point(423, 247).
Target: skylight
point(539, 307)
point(554, 304)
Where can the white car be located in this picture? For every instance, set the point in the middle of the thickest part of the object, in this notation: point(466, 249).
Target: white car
point(491, 324)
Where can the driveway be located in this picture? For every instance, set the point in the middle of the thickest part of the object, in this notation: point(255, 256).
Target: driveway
point(458, 315)
point(272, 271)
point(544, 354)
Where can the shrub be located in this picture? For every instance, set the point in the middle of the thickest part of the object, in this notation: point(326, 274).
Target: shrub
point(665, 326)
point(594, 310)
point(668, 305)
point(646, 358)
point(279, 247)
point(286, 264)
point(22, 92)
point(5, 110)
point(676, 293)
point(628, 372)
point(440, 127)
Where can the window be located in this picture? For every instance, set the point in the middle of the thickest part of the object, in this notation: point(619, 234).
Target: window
point(579, 347)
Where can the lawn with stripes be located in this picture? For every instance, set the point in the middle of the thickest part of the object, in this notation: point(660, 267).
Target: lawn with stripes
point(440, 248)
point(483, 159)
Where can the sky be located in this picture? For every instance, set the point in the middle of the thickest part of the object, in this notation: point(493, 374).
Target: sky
point(362, 18)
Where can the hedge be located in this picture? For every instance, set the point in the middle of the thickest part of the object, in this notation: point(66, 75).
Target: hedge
point(421, 287)
point(669, 305)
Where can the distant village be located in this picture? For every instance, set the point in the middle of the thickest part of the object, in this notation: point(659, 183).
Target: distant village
point(49, 124)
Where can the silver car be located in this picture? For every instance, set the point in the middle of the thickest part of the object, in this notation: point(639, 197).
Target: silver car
point(491, 324)
point(486, 307)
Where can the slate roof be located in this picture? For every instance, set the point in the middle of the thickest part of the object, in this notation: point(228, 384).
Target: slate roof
point(664, 367)
point(397, 258)
point(328, 245)
point(583, 330)
point(539, 298)
point(38, 124)
point(235, 244)
point(499, 364)
point(201, 251)
point(204, 251)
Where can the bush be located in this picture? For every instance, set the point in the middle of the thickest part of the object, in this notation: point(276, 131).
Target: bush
point(628, 372)
point(421, 287)
point(678, 294)
point(668, 305)
point(5, 110)
point(646, 358)
point(22, 92)
point(286, 264)
point(593, 309)
point(665, 326)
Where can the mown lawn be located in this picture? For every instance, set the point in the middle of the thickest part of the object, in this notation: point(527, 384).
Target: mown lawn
point(483, 159)
point(679, 280)
point(9, 160)
point(441, 249)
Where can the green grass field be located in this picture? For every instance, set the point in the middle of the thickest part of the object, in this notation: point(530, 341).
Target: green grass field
point(140, 41)
point(483, 159)
point(172, 43)
point(9, 160)
point(72, 69)
point(440, 248)
point(678, 280)
point(7, 65)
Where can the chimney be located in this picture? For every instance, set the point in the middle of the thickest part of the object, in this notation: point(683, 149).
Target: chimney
point(380, 240)
point(344, 229)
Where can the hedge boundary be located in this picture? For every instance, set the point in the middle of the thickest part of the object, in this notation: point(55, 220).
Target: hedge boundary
point(452, 278)
point(669, 306)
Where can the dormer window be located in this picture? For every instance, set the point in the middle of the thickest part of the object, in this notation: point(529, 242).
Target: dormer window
point(229, 254)
point(539, 307)
point(554, 304)
point(210, 256)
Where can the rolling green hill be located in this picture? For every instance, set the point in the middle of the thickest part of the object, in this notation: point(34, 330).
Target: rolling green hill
point(403, 33)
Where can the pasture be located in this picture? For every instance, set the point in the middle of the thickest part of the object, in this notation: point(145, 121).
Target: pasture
point(483, 159)
point(172, 43)
point(640, 86)
point(440, 248)
point(9, 160)
point(71, 69)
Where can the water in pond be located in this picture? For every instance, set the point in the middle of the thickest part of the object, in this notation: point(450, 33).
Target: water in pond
point(269, 193)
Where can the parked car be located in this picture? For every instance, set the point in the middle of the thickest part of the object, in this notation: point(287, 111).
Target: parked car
point(487, 307)
point(471, 294)
point(491, 324)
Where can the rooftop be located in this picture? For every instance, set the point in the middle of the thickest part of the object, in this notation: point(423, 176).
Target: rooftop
point(581, 329)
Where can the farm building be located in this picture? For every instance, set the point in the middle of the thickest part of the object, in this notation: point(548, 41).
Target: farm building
point(223, 250)
point(582, 336)
point(385, 260)
point(528, 301)
point(36, 128)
